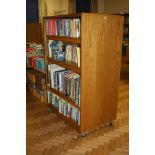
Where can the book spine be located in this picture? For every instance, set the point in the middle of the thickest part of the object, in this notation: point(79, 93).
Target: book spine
point(78, 55)
point(49, 75)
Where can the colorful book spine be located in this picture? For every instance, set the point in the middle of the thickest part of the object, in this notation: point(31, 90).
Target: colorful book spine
point(65, 81)
point(64, 27)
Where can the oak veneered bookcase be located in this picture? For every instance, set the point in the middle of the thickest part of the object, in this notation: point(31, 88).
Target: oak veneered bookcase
point(100, 61)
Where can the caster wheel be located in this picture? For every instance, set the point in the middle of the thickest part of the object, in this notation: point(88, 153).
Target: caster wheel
point(83, 134)
point(66, 123)
point(108, 124)
point(49, 110)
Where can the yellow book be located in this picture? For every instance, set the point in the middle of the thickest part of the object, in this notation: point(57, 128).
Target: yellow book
point(72, 27)
point(74, 33)
point(78, 55)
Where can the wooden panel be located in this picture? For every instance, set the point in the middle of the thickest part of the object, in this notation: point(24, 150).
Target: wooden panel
point(33, 32)
point(101, 44)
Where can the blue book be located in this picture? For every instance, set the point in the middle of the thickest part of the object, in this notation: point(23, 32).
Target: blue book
point(65, 27)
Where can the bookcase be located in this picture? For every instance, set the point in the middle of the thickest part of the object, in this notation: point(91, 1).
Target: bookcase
point(96, 74)
point(35, 70)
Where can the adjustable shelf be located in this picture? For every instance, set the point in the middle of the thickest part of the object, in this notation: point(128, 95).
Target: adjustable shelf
point(66, 64)
point(39, 70)
point(69, 100)
point(65, 39)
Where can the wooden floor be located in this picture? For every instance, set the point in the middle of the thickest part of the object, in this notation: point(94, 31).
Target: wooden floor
point(47, 134)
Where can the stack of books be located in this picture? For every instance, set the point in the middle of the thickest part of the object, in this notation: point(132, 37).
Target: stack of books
point(35, 57)
point(65, 81)
point(61, 51)
point(63, 107)
point(64, 27)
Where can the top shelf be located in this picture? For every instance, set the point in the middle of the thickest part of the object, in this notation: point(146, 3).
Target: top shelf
point(78, 15)
point(65, 39)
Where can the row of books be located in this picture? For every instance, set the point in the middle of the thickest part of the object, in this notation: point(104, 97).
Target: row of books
point(65, 81)
point(61, 51)
point(63, 107)
point(33, 49)
point(37, 62)
point(36, 84)
point(40, 94)
point(64, 27)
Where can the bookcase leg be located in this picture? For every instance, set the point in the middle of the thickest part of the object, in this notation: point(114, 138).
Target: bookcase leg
point(66, 122)
point(49, 109)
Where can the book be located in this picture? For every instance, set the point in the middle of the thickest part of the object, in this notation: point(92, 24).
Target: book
point(54, 68)
point(78, 55)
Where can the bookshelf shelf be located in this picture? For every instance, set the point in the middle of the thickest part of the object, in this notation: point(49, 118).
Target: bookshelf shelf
point(66, 64)
point(39, 70)
point(28, 66)
point(65, 39)
point(64, 97)
point(98, 73)
point(68, 120)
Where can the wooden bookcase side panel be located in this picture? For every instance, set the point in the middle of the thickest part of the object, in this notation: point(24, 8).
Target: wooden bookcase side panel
point(99, 83)
point(46, 53)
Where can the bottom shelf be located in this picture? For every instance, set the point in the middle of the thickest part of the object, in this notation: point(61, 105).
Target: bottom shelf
point(69, 121)
point(34, 93)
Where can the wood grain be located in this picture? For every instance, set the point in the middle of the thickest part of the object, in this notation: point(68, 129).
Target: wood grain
point(101, 43)
point(33, 32)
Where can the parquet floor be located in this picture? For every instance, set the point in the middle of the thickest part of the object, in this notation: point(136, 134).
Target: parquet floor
point(47, 134)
